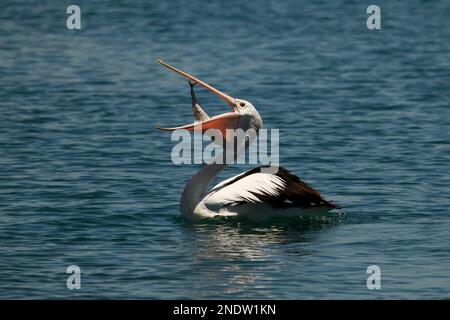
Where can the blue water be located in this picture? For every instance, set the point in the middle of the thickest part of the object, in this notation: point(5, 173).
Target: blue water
point(85, 178)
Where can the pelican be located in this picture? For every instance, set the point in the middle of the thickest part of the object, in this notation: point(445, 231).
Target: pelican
point(254, 194)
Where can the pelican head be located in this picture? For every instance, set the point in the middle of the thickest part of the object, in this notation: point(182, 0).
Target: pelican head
point(243, 114)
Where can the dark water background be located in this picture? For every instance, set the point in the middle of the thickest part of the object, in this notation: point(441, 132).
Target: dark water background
point(85, 178)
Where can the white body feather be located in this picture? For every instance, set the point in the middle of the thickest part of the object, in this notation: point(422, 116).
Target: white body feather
point(224, 199)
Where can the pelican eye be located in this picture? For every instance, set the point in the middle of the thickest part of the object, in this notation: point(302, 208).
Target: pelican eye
point(242, 104)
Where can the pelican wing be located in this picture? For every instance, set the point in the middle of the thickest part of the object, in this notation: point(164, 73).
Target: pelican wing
point(280, 190)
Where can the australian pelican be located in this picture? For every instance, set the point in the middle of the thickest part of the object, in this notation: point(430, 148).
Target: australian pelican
point(254, 194)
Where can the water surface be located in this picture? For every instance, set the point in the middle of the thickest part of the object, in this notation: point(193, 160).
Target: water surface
point(85, 178)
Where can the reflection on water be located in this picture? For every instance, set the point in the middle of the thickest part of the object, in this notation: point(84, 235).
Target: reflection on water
point(244, 257)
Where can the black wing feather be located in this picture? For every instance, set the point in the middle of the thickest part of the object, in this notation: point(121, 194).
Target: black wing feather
point(296, 193)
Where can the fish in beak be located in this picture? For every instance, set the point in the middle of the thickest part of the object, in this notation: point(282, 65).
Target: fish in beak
point(199, 113)
point(221, 122)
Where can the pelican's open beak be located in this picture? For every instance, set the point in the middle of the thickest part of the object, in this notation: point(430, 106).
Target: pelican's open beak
point(222, 122)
